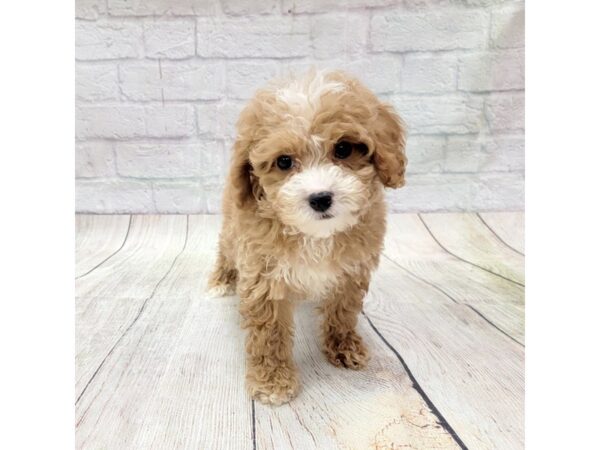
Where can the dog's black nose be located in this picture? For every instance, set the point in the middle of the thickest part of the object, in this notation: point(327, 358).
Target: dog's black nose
point(321, 201)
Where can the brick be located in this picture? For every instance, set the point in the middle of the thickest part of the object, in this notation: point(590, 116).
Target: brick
point(429, 74)
point(505, 112)
point(262, 36)
point(428, 4)
point(245, 7)
point(94, 159)
point(501, 153)
point(113, 196)
point(217, 121)
point(420, 5)
point(108, 40)
point(463, 154)
point(171, 39)
point(244, 78)
point(459, 192)
point(440, 114)
point(163, 7)
point(433, 192)
point(170, 121)
point(497, 71)
point(318, 6)
point(189, 197)
point(508, 28)
point(499, 191)
point(436, 30)
point(350, 31)
point(179, 197)
point(128, 121)
point(425, 154)
point(96, 82)
point(381, 73)
point(172, 80)
point(89, 9)
point(170, 160)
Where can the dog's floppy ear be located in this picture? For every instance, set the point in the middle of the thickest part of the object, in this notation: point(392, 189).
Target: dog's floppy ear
point(242, 180)
point(390, 141)
point(240, 174)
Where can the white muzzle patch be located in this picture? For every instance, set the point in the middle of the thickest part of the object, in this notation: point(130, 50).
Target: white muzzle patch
point(347, 198)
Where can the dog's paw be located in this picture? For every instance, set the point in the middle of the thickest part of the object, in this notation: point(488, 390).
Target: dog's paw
point(220, 290)
point(276, 391)
point(349, 352)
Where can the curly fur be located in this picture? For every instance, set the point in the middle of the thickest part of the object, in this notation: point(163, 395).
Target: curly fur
point(274, 250)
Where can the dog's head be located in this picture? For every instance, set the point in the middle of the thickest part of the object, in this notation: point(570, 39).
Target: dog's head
point(313, 151)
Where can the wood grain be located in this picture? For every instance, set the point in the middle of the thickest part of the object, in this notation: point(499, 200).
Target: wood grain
point(411, 247)
point(463, 236)
point(175, 379)
point(97, 239)
point(159, 365)
point(110, 298)
point(453, 353)
point(339, 408)
point(509, 227)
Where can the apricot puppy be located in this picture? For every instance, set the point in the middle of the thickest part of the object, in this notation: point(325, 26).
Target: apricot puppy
point(304, 218)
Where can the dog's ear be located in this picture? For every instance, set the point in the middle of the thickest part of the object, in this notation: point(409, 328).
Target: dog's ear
point(389, 157)
point(240, 175)
point(242, 181)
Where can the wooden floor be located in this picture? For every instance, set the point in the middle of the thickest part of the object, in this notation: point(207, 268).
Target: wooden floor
point(161, 366)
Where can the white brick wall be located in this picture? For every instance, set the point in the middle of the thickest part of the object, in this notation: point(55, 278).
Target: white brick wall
point(160, 83)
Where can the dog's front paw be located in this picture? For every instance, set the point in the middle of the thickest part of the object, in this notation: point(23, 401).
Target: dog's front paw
point(279, 387)
point(220, 290)
point(347, 351)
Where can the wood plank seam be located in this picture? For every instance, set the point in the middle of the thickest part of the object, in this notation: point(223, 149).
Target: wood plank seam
point(494, 325)
point(139, 313)
point(439, 289)
point(111, 255)
point(498, 237)
point(466, 260)
point(441, 420)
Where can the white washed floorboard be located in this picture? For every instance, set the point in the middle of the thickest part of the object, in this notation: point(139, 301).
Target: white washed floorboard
point(411, 247)
point(509, 226)
point(170, 362)
point(465, 236)
point(454, 355)
point(339, 408)
point(96, 239)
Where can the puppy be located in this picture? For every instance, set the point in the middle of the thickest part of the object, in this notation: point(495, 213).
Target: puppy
point(304, 218)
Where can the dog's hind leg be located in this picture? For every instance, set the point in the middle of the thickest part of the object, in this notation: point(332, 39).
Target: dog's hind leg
point(223, 278)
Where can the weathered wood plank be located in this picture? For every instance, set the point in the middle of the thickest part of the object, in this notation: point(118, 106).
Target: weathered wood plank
point(96, 239)
point(338, 408)
point(471, 371)
point(175, 379)
point(134, 272)
point(509, 227)
point(110, 298)
point(410, 246)
point(464, 236)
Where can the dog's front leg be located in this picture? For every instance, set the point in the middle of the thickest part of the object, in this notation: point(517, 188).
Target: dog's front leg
point(270, 371)
point(341, 343)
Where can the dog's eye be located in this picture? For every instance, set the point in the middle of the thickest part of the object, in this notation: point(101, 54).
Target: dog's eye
point(284, 162)
point(342, 150)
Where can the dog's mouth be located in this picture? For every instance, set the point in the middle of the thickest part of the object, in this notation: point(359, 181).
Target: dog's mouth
point(325, 216)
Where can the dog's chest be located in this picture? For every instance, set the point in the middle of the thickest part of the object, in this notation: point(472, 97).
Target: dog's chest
point(310, 275)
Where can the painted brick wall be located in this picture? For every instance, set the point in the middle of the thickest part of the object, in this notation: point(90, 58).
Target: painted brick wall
point(159, 84)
